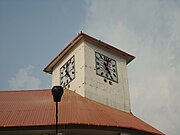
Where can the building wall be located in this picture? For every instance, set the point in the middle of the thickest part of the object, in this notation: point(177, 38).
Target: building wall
point(78, 131)
point(78, 83)
point(115, 95)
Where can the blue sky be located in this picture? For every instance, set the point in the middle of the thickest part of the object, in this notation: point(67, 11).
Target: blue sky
point(33, 32)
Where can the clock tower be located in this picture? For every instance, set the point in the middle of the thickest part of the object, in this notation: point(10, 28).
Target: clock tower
point(93, 69)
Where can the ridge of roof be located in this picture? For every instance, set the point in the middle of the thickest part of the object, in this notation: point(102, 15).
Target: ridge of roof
point(36, 108)
point(23, 90)
point(84, 36)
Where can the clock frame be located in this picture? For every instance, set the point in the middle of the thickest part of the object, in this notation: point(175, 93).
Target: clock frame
point(67, 72)
point(106, 67)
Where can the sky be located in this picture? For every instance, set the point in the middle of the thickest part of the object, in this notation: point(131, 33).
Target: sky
point(33, 32)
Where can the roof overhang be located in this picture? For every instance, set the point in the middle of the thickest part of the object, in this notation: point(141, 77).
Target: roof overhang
point(76, 129)
point(85, 37)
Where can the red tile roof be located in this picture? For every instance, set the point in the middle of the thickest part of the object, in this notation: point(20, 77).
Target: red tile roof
point(36, 108)
point(83, 36)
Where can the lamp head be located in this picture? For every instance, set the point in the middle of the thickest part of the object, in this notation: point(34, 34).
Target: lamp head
point(57, 92)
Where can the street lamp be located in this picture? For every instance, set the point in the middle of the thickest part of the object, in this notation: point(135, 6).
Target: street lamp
point(57, 92)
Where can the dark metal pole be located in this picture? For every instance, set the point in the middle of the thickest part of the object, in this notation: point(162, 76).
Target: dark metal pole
point(57, 92)
point(56, 118)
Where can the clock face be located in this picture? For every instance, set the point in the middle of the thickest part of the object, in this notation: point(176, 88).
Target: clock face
point(67, 72)
point(106, 67)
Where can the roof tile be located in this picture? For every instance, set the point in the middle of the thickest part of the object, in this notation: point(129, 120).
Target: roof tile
point(36, 108)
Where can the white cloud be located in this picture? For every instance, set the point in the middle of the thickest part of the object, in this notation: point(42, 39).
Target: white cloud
point(150, 31)
point(25, 78)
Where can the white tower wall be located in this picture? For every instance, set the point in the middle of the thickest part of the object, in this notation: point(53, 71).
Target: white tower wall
point(90, 85)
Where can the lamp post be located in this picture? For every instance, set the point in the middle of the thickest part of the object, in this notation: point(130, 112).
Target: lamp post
point(57, 92)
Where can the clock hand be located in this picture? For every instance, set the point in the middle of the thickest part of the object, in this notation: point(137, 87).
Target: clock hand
point(67, 66)
point(67, 69)
point(106, 67)
point(108, 71)
point(68, 75)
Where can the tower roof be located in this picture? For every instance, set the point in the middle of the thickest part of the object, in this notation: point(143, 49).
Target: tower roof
point(82, 36)
point(36, 108)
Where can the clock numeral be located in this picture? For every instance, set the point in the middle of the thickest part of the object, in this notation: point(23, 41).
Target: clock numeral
point(72, 61)
point(105, 58)
point(97, 58)
point(114, 75)
point(102, 73)
point(61, 82)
